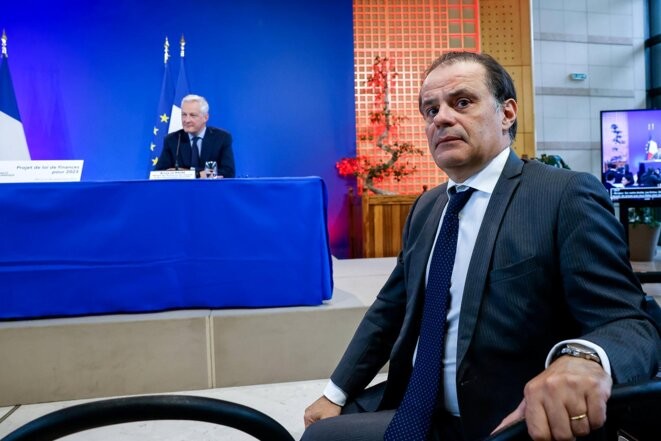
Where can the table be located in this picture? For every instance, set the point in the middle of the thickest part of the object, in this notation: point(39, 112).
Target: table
point(82, 248)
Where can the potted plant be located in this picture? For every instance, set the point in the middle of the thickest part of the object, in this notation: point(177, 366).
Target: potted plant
point(644, 229)
point(377, 215)
point(390, 156)
point(553, 160)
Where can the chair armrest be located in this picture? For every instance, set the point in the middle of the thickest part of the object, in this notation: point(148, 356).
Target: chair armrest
point(622, 400)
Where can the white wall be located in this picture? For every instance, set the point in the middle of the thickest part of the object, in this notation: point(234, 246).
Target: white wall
point(605, 40)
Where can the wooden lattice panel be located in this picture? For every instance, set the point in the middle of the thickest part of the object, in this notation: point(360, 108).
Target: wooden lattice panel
point(411, 33)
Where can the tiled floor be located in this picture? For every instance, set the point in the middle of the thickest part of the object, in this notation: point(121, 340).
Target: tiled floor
point(285, 402)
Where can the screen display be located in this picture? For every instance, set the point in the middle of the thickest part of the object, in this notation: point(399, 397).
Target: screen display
point(631, 153)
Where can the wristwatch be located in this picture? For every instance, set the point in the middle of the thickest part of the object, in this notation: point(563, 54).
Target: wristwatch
point(577, 350)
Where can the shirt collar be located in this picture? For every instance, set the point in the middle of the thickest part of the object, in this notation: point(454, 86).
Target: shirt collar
point(201, 135)
point(485, 180)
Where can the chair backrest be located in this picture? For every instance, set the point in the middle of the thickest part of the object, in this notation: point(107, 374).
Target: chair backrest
point(633, 410)
point(161, 407)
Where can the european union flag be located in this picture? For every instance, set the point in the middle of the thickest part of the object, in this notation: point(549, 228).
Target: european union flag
point(13, 145)
point(181, 90)
point(162, 123)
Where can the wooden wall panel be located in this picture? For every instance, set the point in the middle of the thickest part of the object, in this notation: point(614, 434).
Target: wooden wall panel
point(505, 33)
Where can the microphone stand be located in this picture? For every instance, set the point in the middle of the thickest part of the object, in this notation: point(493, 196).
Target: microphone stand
point(176, 155)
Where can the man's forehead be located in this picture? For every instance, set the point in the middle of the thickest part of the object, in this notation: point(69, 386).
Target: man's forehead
point(454, 77)
point(192, 105)
point(460, 70)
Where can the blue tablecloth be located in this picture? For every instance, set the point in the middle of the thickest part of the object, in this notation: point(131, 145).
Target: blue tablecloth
point(69, 249)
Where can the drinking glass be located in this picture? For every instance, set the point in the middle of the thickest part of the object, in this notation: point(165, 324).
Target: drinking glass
point(211, 169)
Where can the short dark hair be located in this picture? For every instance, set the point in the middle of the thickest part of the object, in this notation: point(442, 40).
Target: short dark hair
point(498, 80)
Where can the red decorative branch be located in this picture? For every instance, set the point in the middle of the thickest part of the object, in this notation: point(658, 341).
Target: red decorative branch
point(383, 128)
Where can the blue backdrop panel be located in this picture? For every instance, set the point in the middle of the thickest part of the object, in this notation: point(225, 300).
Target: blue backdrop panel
point(83, 248)
point(278, 75)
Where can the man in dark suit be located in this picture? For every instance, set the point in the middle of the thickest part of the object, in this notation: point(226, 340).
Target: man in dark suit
point(212, 144)
point(544, 311)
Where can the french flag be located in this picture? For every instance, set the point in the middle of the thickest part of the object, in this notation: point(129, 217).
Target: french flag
point(180, 91)
point(160, 129)
point(13, 145)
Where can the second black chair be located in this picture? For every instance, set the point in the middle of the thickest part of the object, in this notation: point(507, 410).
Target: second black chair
point(146, 408)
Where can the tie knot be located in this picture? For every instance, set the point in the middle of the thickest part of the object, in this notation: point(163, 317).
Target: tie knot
point(458, 199)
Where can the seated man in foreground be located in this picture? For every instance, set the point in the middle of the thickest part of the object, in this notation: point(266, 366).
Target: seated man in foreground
point(512, 297)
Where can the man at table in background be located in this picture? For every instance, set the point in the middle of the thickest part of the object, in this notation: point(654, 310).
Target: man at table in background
point(211, 143)
point(512, 297)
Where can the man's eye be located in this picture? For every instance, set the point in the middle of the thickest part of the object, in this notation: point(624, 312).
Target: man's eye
point(463, 103)
point(431, 112)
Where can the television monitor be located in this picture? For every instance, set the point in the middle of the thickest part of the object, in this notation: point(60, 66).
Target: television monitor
point(631, 153)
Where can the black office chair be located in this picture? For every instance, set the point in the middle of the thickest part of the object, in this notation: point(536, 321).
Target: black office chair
point(160, 407)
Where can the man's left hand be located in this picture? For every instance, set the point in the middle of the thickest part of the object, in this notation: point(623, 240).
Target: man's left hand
point(567, 400)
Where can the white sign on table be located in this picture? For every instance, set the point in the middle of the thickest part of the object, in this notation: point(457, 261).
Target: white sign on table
point(171, 174)
point(41, 171)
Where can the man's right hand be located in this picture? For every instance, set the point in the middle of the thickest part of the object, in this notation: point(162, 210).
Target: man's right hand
point(320, 409)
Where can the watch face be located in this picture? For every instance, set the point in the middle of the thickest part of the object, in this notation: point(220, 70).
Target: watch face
point(580, 348)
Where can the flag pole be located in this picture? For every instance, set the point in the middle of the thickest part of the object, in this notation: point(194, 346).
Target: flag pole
point(4, 44)
point(166, 51)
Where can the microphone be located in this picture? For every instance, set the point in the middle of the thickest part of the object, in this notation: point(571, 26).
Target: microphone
point(176, 155)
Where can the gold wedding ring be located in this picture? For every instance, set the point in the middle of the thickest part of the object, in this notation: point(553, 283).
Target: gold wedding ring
point(578, 417)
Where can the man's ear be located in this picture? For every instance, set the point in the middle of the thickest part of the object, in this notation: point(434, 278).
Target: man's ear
point(510, 108)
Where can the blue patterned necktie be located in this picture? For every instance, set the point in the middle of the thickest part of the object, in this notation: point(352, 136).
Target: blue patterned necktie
point(412, 419)
point(195, 161)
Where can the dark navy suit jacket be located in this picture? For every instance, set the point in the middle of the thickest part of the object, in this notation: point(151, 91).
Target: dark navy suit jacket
point(550, 263)
point(216, 146)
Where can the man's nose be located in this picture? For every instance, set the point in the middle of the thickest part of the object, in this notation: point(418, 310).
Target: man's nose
point(444, 115)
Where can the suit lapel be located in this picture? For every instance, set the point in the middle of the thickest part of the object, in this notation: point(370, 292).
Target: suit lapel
point(185, 149)
point(424, 223)
point(207, 146)
point(424, 242)
point(203, 146)
point(478, 269)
